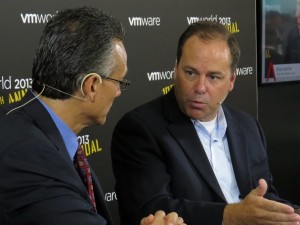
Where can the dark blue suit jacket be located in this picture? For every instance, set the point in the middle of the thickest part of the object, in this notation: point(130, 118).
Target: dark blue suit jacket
point(159, 163)
point(38, 182)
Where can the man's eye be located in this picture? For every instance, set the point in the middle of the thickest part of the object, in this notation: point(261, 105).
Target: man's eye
point(189, 72)
point(213, 77)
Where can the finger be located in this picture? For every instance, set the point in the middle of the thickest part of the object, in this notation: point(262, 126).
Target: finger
point(171, 218)
point(284, 217)
point(264, 205)
point(179, 220)
point(160, 213)
point(159, 218)
point(147, 220)
point(278, 218)
point(261, 189)
point(279, 207)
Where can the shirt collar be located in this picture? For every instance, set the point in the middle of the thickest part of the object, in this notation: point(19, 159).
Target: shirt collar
point(221, 124)
point(67, 134)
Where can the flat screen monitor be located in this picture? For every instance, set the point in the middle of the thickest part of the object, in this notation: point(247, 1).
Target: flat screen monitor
point(279, 41)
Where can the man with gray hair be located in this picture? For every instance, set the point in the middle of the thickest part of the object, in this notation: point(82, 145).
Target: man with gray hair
point(78, 71)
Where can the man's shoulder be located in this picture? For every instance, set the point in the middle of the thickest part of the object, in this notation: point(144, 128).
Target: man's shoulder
point(20, 119)
point(3, 111)
point(151, 113)
point(238, 116)
point(228, 109)
point(155, 104)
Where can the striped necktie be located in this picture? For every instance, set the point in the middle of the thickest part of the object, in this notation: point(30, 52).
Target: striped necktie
point(84, 170)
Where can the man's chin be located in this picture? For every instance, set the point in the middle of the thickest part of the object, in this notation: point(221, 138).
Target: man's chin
point(101, 121)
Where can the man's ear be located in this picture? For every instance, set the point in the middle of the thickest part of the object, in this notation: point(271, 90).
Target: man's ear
point(175, 70)
point(232, 80)
point(90, 85)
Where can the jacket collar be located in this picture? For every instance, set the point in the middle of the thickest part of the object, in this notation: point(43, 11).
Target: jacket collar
point(41, 118)
point(182, 128)
point(239, 153)
point(184, 132)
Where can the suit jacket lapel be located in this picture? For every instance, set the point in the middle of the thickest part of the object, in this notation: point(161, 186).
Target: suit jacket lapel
point(239, 154)
point(184, 132)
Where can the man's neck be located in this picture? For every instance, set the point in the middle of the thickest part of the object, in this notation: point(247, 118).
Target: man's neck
point(67, 110)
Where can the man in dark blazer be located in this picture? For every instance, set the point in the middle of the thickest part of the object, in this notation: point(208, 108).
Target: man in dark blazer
point(78, 71)
point(186, 152)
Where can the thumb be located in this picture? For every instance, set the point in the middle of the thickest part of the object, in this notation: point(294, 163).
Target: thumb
point(261, 189)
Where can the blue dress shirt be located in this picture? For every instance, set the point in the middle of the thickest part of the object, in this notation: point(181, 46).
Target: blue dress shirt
point(69, 137)
point(214, 141)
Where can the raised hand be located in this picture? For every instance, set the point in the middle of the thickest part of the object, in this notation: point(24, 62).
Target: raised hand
point(256, 210)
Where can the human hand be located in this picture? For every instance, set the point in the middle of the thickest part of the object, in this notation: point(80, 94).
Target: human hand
point(160, 218)
point(256, 210)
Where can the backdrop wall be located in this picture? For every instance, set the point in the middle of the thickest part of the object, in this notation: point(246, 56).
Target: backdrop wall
point(152, 30)
point(279, 110)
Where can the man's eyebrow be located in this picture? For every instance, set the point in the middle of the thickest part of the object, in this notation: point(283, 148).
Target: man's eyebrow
point(190, 68)
point(216, 72)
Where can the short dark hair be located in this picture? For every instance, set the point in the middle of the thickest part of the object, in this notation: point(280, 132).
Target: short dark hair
point(74, 43)
point(208, 31)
